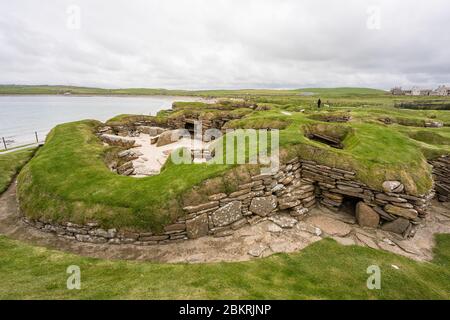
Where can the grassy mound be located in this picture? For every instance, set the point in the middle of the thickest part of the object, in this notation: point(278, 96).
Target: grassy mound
point(324, 270)
point(69, 181)
point(10, 165)
point(376, 152)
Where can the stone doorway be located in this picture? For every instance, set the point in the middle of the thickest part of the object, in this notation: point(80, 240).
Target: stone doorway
point(349, 205)
point(190, 127)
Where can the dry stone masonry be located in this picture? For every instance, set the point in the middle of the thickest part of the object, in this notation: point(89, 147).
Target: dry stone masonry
point(284, 198)
point(441, 174)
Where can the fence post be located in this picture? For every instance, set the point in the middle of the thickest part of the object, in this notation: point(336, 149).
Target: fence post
point(37, 139)
point(4, 143)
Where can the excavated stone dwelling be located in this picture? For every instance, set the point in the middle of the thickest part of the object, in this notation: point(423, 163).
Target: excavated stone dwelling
point(283, 196)
point(289, 193)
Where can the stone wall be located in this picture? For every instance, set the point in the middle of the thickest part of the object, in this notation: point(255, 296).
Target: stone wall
point(391, 209)
point(217, 123)
point(292, 191)
point(441, 175)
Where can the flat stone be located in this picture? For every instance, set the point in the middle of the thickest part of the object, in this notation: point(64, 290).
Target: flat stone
point(261, 177)
point(240, 193)
point(239, 224)
point(303, 226)
point(393, 186)
point(333, 196)
point(154, 238)
point(262, 206)
point(299, 211)
point(171, 136)
point(278, 187)
point(343, 217)
point(198, 226)
point(217, 197)
point(288, 202)
point(383, 214)
point(257, 250)
point(330, 226)
point(366, 240)
point(117, 140)
point(129, 235)
point(405, 205)
point(175, 227)
point(401, 212)
point(345, 241)
point(223, 233)
point(400, 225)
point(407, 247)
point(309, 204)
point(274, 228)
point(287, 180)
point(227, 214)
point(366, 216)
point(201, 207)
point(284, 220)
point(281, 246)
point(387, 247)
point(351, 194)
point(385, 197)
point(349, 189)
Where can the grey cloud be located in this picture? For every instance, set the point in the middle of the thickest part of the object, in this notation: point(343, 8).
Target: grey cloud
point(225, 43)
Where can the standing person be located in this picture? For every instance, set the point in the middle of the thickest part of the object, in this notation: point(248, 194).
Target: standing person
point(319, 103)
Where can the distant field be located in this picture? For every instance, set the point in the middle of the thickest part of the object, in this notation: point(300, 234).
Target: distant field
point(345, 91)
point(17, 89)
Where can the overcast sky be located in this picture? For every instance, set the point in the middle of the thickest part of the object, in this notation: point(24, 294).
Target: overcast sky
point(195, 44)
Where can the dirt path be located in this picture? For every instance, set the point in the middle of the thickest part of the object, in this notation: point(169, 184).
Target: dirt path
point(260, 240)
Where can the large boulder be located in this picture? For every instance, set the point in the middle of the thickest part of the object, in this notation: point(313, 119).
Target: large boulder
point(400, 225)
point(197, 227)
point(171, 136)
point(366, 216)
point(227, 214)
point(393, 186)
point(262, 206)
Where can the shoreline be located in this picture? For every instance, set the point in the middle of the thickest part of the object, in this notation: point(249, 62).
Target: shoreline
point(106, 95)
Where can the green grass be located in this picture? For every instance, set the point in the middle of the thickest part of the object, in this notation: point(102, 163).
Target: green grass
point(324, 270)
point(68, 180)
point(10, 164)
point(377, 152)
point(48, 89)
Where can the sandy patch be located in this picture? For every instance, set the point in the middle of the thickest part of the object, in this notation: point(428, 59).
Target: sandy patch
point(152, 158)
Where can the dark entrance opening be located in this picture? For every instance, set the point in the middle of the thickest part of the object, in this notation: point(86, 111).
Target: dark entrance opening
point(332, 142)
point(190, 127)
point(349, 205)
